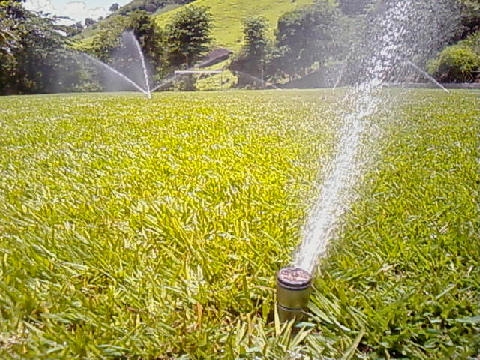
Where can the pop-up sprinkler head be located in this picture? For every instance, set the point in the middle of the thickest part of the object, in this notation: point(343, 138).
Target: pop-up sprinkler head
point(293, 293)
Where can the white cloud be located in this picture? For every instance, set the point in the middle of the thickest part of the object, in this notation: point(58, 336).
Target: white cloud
point(76, 10)
point(44, 6)
point(79, 10)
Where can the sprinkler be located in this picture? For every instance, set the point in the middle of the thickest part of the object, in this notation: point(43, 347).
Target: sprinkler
point(293, 293)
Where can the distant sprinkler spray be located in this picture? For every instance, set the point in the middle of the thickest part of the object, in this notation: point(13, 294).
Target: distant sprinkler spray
point(293, 293)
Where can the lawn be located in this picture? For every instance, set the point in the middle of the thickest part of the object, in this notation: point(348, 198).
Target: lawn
point(145, 229)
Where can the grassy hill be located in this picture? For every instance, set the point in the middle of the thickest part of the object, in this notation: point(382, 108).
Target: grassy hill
point(228, 17)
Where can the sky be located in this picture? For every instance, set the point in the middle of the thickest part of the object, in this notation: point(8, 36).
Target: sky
point(78, 10)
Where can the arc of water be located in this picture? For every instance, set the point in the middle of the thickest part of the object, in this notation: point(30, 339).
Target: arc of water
point(347, 166)
point(123, 76)
point(144, 67)
point(428, 76)
point(322, 220)
point(335, 194)
point(148, 90)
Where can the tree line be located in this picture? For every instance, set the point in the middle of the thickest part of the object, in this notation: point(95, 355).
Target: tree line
point(312, 43)
point(329, 44)
point(36, 56)
point(32, 52)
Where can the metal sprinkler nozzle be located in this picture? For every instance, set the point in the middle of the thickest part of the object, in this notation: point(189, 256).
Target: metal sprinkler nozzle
point(293, 293)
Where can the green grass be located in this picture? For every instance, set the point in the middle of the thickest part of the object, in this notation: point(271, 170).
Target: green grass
point(148, 228)
point(405, 273)
point(228, 17)
point(151, 229)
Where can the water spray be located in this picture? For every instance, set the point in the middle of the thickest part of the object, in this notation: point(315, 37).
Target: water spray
point(147, 91)
point(293, 293)
point(398, 33)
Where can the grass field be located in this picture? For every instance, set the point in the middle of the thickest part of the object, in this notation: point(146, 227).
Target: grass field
point(136, 229)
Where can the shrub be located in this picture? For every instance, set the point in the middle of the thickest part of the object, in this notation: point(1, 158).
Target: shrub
point(457, 63)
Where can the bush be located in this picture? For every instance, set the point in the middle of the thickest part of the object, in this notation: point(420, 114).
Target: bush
point(457, 63)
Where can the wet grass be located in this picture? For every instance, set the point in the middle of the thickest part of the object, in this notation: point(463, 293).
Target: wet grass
point(404, 277)
point(152, 229)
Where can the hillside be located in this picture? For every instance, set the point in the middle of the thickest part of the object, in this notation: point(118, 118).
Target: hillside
point(228, 17)
point(326, 22)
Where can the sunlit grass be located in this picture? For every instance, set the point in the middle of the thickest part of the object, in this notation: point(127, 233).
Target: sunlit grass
point(149, 229)
point(405, 276)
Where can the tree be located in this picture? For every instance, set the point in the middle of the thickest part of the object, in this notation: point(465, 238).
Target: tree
point(469, 18)
point(114, 7)
point(10, 36)
point(255, 36)
point(459, 62)
point(250, 64)
point(73, 29)
point(305, 39)
point(34, 57)
point(188, 35)
point(89, 22)
point(10, 15)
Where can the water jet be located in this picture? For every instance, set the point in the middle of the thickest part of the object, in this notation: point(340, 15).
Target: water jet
point(293, 293)
point(134, 50)
point(399, 34)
